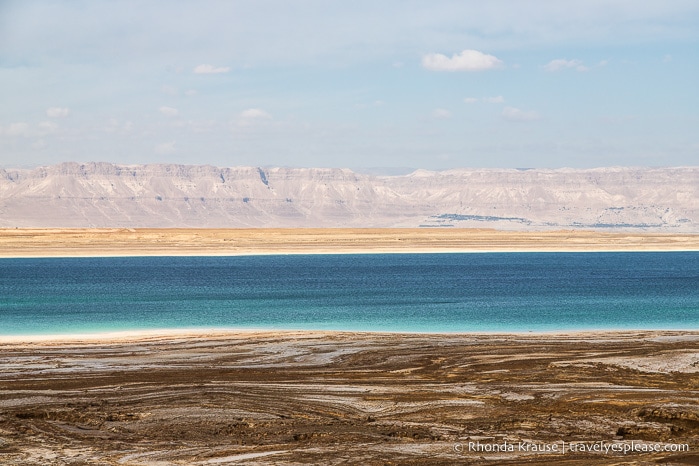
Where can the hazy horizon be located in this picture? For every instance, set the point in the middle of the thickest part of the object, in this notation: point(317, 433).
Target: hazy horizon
point(432, 85)
point(376, 171)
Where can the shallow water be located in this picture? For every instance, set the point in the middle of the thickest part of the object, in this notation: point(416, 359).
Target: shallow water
point(382, 292)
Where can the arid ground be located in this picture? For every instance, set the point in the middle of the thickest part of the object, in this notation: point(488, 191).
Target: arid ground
point(348, 398)
point(345, 398)
point(186, 241)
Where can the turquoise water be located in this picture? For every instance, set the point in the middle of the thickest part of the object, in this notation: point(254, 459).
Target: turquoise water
point(381, 292)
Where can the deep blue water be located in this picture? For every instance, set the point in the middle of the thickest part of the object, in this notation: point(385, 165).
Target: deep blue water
point(383, 292)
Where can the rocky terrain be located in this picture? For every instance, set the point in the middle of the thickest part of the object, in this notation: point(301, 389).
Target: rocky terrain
point(157, 196)
point(340, 398)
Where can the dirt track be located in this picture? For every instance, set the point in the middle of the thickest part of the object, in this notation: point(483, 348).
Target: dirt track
point(347, 398)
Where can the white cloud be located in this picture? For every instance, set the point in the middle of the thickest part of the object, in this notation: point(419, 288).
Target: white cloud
point(494, 100)
point(270, 38)
point(467, 60)
point(470, 100)
point(18, 129)
point(57, 112)
point(441, 114)
point(165, 148)
point(255, 114)
point(210, 69)
point(562, 64)
point(515, 114)
point(46, 127)
point(252, 117)
point(25, 130)
point(169, 111)
point(190, 92)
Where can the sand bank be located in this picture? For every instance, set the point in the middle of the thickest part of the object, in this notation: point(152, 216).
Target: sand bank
point(129, 242)
point(351, 398)
point(126, 242)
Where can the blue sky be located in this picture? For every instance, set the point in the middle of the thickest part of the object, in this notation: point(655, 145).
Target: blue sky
point(422, 84)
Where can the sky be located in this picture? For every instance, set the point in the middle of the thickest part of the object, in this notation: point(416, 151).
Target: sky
point(382, 85)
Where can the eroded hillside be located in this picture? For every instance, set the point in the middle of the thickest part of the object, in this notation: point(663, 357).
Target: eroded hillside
point(108, 195)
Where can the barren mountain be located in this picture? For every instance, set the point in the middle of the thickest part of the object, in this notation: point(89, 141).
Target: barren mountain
point(108, 195)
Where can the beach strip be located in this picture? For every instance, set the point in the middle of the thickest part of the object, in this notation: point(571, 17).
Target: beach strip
point(137, 336)
point(210, 242)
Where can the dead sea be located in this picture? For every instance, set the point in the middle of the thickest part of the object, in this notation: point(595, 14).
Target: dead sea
point(305, 397)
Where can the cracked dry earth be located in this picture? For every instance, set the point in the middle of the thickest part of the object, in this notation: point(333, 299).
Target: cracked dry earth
point(347, 398)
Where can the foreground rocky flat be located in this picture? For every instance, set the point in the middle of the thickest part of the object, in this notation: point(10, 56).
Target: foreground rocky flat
point(349, 398)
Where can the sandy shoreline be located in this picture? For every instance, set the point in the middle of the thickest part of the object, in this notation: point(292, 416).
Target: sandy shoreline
point(154, 335)
point(168, 242)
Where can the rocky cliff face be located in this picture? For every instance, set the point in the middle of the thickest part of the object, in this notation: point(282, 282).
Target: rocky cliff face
point(107, 195)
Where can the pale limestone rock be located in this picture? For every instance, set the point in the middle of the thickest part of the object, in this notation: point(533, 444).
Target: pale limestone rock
point(108, 195)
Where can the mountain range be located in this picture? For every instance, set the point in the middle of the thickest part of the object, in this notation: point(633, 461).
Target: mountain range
point(164, 195)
